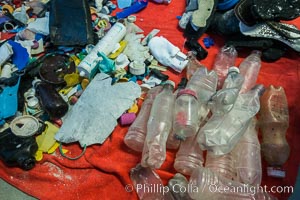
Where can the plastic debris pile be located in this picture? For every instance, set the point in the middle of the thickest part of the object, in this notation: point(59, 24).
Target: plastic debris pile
point(52, 77)
point(215, 113)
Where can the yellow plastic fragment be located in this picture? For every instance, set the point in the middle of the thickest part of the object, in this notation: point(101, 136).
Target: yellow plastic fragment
point(65, 91)
point(123, 79)
point(8, 7)
point(38, 155)
point(114, 55)
point(54, 147)
point(46, 140)
point(134, 108)
point(72, 79)
point(84, 83)
point(75, 59)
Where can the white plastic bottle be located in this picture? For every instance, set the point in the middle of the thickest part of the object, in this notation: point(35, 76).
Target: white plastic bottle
point(106, 45)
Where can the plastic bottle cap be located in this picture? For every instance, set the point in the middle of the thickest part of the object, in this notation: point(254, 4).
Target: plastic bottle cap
point(233, 69)
point(187, 91)
point(170, 83)
point(131, 18)
point(82, 73)
point(32, 102)
point(24, 126)
point(137, 68)
point(121, 61)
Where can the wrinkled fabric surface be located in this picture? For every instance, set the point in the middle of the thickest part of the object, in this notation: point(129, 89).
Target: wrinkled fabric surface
point(103, 172)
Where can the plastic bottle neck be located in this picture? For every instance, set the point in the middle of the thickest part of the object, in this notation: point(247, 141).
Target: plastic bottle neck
point(168, 88)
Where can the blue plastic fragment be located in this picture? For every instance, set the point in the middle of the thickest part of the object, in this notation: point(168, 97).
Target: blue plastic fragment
point(208, 42)
point(20, 56)
point(65, 48)
point(39, 36)
point(134, 8)
point(178, 17)
point(9, 101)
point(226, 4)
point(124, 3)
point(133, 79)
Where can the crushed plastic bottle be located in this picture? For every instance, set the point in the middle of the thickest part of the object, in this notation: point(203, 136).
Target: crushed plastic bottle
point(249, 68)
point(136, 134)
point(225, 58)
point(147, 183)
point(247, 156)
point(223, 100)
point(159, 127)
point(222, 132)
point(274, 122)
point(189, 156)
point(205, 184)
point(186, 115)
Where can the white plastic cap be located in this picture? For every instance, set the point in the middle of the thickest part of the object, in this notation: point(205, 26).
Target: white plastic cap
point(170, 83)
point(82, 74)
point(137, 68)
point(233, 69)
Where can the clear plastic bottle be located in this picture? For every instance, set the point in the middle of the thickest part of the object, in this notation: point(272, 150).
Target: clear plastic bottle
point(222, 132)
point(189, 156)
point(249, 68)
point(247, 156)
point(274, 122)
point(186, 115)
point(192, 65)
point(172, 141)
point(225, 58)
point(222, 165)
point(204, 82)
point(147, 183)
point(205, 184)
point(136, 134)
point(223, 100)
point(159, 127)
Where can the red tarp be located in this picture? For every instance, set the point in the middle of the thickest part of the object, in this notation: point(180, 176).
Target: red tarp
point(103, 172)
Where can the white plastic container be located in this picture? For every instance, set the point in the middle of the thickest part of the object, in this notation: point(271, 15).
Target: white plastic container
point(106, 45)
